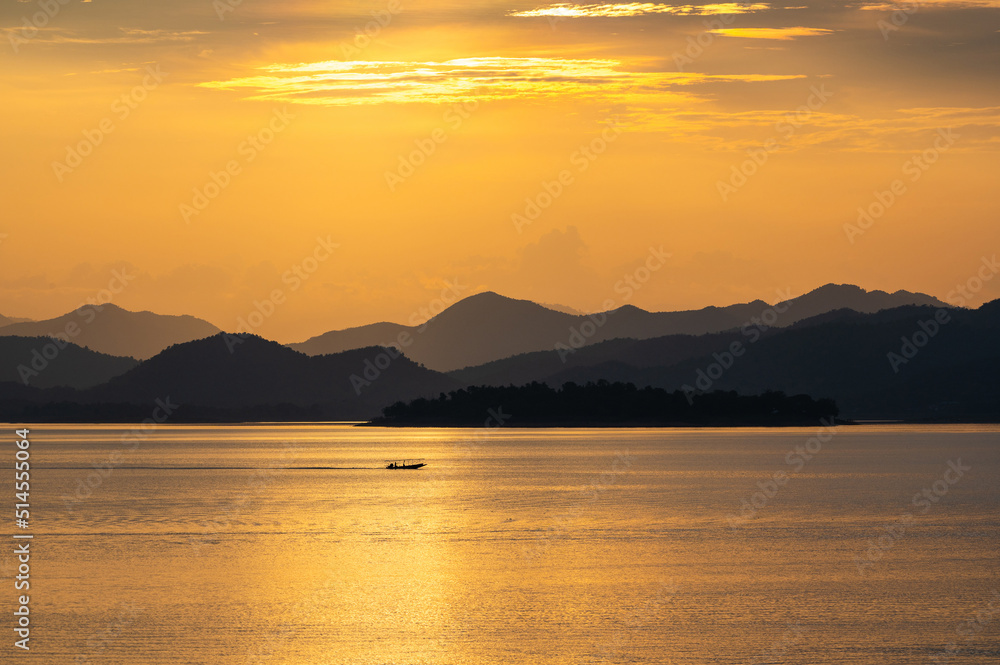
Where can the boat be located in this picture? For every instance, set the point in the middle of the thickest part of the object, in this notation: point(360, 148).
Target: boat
point(404, 463)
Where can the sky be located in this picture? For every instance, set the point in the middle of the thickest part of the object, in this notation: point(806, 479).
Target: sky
point(332, 164)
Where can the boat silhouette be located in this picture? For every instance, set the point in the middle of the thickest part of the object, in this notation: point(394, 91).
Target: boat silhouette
point(404, 464)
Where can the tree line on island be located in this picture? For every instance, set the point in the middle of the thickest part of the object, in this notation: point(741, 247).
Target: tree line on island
point(605, 404)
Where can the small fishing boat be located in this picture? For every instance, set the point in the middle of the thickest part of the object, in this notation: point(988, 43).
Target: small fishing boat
point(404, 463)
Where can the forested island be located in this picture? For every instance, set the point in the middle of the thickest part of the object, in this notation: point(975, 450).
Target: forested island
point(604, 404)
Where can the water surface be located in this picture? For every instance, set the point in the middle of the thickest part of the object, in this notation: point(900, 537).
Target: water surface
point(291, 544)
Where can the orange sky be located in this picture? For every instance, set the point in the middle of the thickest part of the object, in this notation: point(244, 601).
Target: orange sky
point(225, 155)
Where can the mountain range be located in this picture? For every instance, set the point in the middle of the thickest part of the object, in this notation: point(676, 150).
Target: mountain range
point(241, 377)
point(476, 330)
point(487, 326)
point(886, 365)
point(919, 360)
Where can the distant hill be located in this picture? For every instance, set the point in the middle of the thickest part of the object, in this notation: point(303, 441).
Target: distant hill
point(472, 331)
point(7, 320)
point(116, 331)
point(243, 377)
point(847, 296)
point(612, 360)
point(843, 355)
point(488, 327)
point(41, 362)
point(914, 362)
point(605, 404)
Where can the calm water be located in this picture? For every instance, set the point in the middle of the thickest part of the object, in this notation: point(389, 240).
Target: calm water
point(290, 544)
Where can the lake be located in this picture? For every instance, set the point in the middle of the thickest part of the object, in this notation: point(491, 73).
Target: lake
point(291, 544)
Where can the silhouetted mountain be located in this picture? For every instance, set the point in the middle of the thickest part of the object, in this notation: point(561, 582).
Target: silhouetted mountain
point(860, 360)
point(912, 362)
point(7, 320)
point(614, 358)
point(245, 377)
point(488, 327)
point(849, 360)
point(477, 329)
point(115, 331)
point(44, 363)
point(847, 296)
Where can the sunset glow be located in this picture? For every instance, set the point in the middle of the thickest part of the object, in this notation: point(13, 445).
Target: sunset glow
point(641, 8)
point(414, 135)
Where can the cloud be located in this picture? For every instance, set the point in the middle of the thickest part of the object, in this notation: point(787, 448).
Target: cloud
point(568, 10)
point(772, 33)
point(902, 130)
point(126, 36)
point(337, 83)
point(931, 4)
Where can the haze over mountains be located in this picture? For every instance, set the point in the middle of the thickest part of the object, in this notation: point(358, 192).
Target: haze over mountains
point(923, 360)
point(115, 331)
point(6, 320)
point(487, 326)
point(479, 329)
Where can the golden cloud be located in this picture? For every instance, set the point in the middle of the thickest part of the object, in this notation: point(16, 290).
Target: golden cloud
point(772, 33)
point(568, 10)
point(931, 4)
point(125, 36)
point(796, 129)
point(337, 83)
